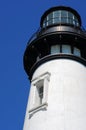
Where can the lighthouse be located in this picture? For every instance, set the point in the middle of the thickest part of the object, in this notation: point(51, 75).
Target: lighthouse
point(55, 62)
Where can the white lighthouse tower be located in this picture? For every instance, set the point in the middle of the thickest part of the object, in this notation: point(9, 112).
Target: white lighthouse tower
point(55, 61)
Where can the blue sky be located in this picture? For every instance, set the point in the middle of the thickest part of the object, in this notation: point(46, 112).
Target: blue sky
point(19, 19)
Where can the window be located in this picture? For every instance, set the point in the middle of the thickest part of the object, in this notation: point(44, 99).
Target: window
point(66, 49)
point(39, 93)
point(55, 49)
point(77, 52)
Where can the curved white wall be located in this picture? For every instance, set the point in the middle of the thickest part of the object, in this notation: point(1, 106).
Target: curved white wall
point(66, 108)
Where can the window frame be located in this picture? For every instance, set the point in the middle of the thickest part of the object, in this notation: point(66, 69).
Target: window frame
point(41, 80)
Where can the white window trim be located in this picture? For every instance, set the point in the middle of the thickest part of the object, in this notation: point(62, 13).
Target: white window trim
point(32, 107)
point(36, 109)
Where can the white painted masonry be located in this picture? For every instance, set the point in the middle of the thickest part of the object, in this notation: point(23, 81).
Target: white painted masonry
point(65, 105)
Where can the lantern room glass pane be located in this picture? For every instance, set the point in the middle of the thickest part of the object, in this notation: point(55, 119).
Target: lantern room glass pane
point(64, 15)
point(50, 22)
point(57, 20)
point(55, 49)
point(50, 15)
point(57, 17)
point(57, 14)
point(77, 52)
point(50, 19)
point(66, 49)
point(44, 23)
